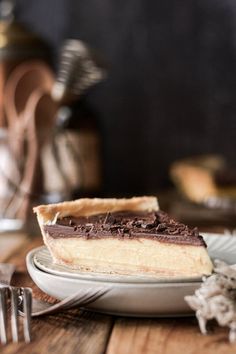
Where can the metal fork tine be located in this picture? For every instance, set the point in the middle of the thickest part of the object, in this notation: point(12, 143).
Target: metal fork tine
point(90, 295)
point(3, 315)
point(14, 314)
point(70, 304)
point(94, 296)
point(85, 299)
point(27, 305)
point(79, 300)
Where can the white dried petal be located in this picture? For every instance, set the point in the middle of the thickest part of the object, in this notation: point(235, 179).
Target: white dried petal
point(216, 299)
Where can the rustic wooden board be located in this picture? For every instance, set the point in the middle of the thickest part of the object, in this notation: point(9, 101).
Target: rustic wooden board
point(166, 336)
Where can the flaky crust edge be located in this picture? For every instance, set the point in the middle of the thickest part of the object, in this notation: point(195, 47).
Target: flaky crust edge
point(48, 214)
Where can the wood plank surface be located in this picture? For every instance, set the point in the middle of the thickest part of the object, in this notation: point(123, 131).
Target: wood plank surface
point(166, 336)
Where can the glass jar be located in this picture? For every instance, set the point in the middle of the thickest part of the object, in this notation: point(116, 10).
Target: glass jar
point(72, 160)
point(10, 200)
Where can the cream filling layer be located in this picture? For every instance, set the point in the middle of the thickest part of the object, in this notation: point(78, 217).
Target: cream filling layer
point(134, 256)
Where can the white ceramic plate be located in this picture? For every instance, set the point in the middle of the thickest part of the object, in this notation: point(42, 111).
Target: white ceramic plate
point(132, 296)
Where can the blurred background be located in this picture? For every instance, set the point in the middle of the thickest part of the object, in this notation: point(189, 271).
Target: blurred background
point(171, 88)
point(167, 89)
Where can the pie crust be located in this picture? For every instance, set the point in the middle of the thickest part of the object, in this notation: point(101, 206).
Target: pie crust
point(134, 256)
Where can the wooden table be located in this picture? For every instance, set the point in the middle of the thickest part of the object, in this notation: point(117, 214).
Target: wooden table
point(85, 332)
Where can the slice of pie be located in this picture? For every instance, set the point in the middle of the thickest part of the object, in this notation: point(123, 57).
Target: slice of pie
point(204, 177)
point(122, 236)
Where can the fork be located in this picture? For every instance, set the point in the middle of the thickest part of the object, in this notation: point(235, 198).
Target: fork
point(22, 303)
point(79, 299)
point(11, 293)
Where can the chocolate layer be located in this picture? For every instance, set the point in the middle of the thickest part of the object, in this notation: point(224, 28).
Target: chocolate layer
point(126, 225)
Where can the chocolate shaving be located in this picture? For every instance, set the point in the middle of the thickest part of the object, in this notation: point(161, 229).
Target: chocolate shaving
point(106, 218)
point(154, 225)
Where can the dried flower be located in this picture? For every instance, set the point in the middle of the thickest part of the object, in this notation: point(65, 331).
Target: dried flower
point(216, 299)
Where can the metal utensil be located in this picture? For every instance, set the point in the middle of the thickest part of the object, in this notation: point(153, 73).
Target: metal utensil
point(80, 299)
point(79, 68)
point(23, 304)
point(9, 294)
point(30, 115)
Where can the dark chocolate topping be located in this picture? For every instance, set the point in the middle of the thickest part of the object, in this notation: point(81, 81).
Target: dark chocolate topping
point(126, 225)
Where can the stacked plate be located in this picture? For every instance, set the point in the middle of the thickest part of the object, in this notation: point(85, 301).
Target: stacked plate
point(128, 295)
